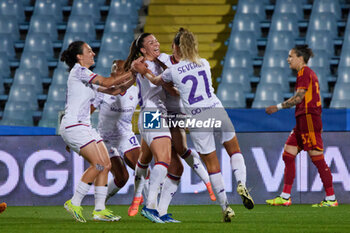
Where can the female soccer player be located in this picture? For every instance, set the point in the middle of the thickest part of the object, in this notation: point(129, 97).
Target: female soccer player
point(179, 144)
point(156, 142)
point(77, 133)
point(192, 77)
point(306, 135)
point(115, 127)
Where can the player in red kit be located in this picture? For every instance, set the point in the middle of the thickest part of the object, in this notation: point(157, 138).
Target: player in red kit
point(306, 135)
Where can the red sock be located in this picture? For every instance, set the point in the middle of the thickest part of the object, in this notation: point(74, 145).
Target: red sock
point(325, 173)
point(289, 171)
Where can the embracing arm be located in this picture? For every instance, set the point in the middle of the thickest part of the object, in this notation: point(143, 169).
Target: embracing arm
point(115, 90)
point(292, 101)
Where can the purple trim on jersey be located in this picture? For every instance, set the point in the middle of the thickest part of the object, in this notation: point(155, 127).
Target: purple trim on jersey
point(141, 166)
point(186, 154)
point(161, 137)
point(162, 163)
point(173, 177)
point(87, 144)
point(70, 126)
point(92, 78)
point(131, 149)
point(213, 173)
point(99, 141)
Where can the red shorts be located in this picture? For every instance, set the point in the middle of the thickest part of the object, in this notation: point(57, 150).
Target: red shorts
point(306, 135)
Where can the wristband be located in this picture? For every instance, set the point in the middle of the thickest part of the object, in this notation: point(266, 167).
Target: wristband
point(279, 106)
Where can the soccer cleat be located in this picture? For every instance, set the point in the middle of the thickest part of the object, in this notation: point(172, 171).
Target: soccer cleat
point(210, 191)
point(279, 201)
point(75, 211)
point(325, 203)
point(228, 214)
point(3, 207)
point(134, 208)
point(167, 218)
point(246, 198)
point(151, 214)
point(105, 215)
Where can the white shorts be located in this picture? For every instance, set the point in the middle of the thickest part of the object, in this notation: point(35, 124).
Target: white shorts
point(79, 136)
point(149, 135)
point(204, 140)
point(121, 145)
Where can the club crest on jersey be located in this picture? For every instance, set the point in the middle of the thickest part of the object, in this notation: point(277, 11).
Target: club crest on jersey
point(151, 119)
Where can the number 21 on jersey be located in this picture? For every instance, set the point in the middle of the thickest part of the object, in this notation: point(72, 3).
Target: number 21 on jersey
point(193, 98)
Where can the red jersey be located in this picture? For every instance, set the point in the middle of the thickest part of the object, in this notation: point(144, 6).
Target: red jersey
point(311, 103)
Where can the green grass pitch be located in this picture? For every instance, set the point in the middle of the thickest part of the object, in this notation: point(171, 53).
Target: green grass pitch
point(200, 218)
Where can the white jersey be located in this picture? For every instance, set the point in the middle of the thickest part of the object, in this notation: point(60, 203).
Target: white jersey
point(194, 84)
point(116, 113)
point(80, 94)
point(150, 95)
point(172, 103)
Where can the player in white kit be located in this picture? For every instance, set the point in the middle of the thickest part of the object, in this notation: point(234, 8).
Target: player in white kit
point(76, 131)
point(192, 77)
point(155, 140)
point(115, 127)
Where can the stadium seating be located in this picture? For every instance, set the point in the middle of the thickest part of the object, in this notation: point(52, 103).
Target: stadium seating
point(13, 8)
point(280, 41)
point(243, 41)
point(246, 22)
point(50, 113)
point(320, 59)
point(343, 75)
point(60, 76)
point(345, 58)
point(49, 7)
point(290, 6)
point(268, 93)
point(341, 96)
point(74, 36)
point(285, 22)
point(17, 113)
point(275, 75)
point(320, 40)
point(35, 60)
point(29, 76)
point(82, 23)
point(232, 76)
point(7, 45)
point(89, 8)
point(115, 42)
point(39, 42)
point(322, 76)
point(232, 96)
point(323, 21)
point(57, 93)
point(329, 6)
point(24, 92)
point(9, 24)
point(105, 60)
point(4, 65)
point(256, 7)
point(124, 8)
point(43, 24)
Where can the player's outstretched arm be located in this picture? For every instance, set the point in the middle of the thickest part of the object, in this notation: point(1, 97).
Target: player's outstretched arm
point(292, 101)
point(115, 90)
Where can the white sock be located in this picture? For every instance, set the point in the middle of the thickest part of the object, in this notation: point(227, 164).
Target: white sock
point(146, 188)
point(112, 189)
point(80, 191)
point(238, 168)
point(140, 176)
point(158, 174)
point(193, 160)
point(100, 197)
point(285, 195)
point(330, 198)
point(168, 191)
point(219, 189)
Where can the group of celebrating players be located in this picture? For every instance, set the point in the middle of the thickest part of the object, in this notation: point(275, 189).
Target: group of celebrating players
point(169, 85)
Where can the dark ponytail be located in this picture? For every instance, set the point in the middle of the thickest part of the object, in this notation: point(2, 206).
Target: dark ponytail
point(69, 56)
point(176, 40)
point(135, 52)
point(305, 51)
